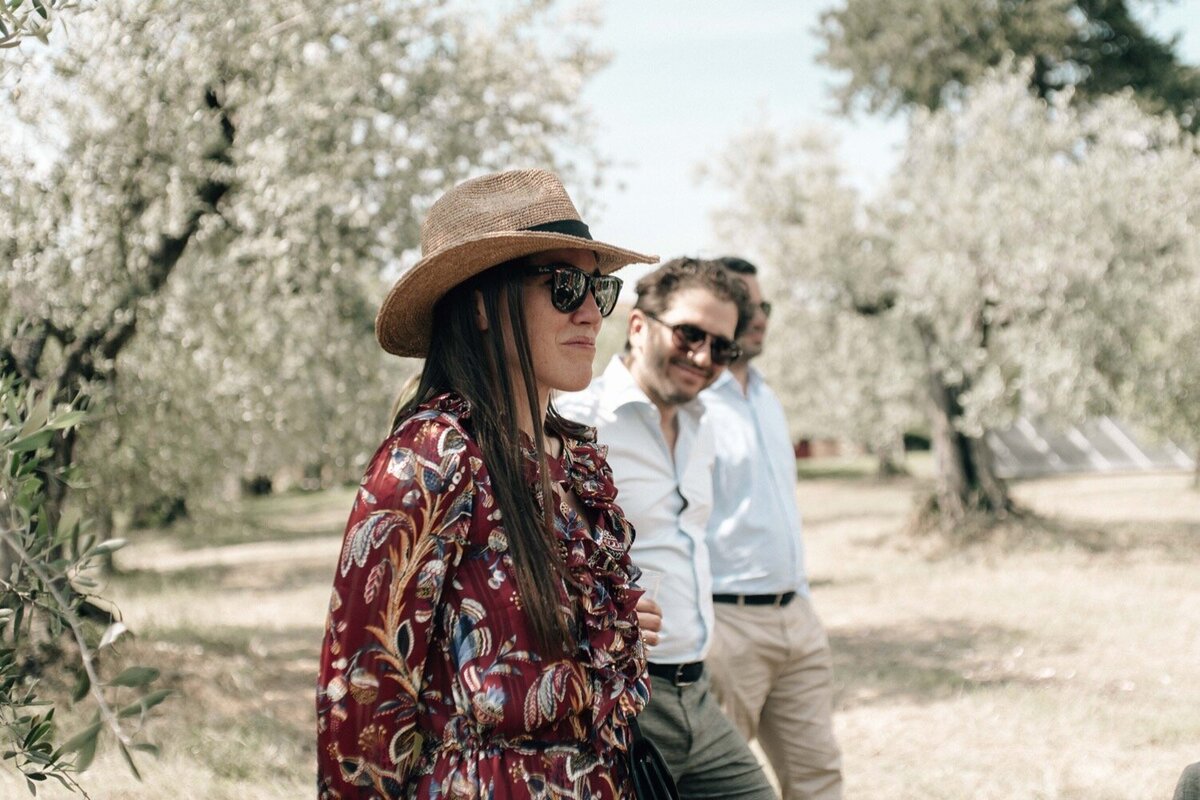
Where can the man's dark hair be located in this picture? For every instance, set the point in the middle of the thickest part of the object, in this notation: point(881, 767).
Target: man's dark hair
point(739, 265)
point(656, 289)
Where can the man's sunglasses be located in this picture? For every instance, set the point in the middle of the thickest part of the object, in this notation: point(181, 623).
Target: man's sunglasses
point(690, 338)
point(569, 286)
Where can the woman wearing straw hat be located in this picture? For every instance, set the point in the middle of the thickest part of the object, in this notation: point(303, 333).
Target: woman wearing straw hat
point(482, 638)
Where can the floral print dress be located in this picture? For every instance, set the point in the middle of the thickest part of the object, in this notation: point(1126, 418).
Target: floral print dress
point(429, 684)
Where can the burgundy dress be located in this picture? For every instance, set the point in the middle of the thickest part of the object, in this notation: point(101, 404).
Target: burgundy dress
point(429, 686)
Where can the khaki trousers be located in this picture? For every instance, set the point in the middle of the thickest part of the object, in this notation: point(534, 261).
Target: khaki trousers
point(773, 675)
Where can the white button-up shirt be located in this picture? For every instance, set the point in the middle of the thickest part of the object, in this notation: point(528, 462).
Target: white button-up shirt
point(754, 531)
point(667, 499)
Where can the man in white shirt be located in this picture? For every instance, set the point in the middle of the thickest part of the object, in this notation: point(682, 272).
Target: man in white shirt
point(682, 332)
point(770, 663)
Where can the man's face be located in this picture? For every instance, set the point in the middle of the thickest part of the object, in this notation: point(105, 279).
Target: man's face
point(668, 373)
point(753, 337)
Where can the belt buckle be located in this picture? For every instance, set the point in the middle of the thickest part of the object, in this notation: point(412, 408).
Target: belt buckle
point(679, 681)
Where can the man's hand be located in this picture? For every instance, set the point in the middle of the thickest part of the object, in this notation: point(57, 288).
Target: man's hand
point(649, 620)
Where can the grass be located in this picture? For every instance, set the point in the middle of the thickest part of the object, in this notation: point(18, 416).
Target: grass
point(917, 464)
point(1055, 663)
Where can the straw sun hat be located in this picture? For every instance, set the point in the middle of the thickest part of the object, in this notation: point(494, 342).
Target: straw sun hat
point(476, 225)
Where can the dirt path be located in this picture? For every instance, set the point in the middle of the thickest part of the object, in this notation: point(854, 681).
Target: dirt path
point(165, 557)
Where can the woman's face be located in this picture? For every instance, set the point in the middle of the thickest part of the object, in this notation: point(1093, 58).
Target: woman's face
point(562, 345)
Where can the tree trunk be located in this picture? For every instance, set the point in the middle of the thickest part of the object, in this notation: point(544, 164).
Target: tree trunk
point(965, 466)
point(90, 355)
point(889, 455)
point(62, 458)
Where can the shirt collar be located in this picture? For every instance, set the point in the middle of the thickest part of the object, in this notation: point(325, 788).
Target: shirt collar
point(728, 383)
point(620, 389)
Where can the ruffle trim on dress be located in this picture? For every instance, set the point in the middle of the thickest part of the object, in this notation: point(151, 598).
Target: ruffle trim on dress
point(596, 559)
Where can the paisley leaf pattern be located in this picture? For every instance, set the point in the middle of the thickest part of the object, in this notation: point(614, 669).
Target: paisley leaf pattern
point(374, 581)
point(545, 695)
point(428, 665)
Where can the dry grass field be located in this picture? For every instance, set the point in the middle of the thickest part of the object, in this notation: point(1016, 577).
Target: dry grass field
point(1061, 662)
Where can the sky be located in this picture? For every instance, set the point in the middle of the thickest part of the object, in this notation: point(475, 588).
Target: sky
point(687, 76)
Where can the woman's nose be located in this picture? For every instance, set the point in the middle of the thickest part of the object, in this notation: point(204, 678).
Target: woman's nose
point(588, 312)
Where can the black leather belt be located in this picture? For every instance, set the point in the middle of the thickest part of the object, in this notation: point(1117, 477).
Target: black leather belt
point(678, 674)
point(777, 600)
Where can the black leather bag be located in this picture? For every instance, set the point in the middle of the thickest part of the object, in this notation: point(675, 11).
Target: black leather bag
point(651, 778)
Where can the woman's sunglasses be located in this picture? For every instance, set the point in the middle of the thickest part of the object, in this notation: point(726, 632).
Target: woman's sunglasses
point(690, 338)
point(569, 286)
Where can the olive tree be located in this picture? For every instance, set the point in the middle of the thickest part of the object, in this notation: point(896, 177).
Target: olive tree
point(1017, 262)
point(208, 200)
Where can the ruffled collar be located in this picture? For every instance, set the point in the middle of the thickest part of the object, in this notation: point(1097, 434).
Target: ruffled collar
point(577, 468)
point(596, 557)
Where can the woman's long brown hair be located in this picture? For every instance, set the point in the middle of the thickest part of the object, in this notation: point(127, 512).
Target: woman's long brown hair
point(473, 363)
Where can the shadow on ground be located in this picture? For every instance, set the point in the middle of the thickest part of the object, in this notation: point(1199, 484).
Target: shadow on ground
point(1173, 538)
point(922, 663)
point(1027, 532)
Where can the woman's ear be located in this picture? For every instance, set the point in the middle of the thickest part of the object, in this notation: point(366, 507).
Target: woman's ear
point(481, 319)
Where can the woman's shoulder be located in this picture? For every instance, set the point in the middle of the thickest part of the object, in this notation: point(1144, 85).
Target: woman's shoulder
point(437, 425)
point(431, 444)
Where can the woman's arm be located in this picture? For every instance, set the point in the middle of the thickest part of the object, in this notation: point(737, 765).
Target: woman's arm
point(404, 537)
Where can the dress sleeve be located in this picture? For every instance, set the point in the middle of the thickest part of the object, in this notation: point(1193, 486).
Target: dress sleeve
point(405, 535)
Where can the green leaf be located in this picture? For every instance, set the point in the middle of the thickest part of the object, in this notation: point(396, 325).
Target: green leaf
point(81, 739)
point(68, 420)
point(68, 522)
point(129, 760)
point(85, 752)
point(33, 441)
point(109, 546)
point(135, 676)
point(37, 415)
point(82, 687)
point(36, 733)
point(145, 703)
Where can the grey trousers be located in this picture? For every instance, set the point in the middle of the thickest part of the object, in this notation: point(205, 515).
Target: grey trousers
point(707, 756)
point(1188, 787)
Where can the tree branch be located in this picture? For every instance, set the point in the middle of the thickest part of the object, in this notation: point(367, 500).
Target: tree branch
point(102, 344)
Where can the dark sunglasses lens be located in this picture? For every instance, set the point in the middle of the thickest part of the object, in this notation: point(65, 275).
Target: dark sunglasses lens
point(725, 352)
point(568, 289)
point(689, 335)
point(606, 289)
